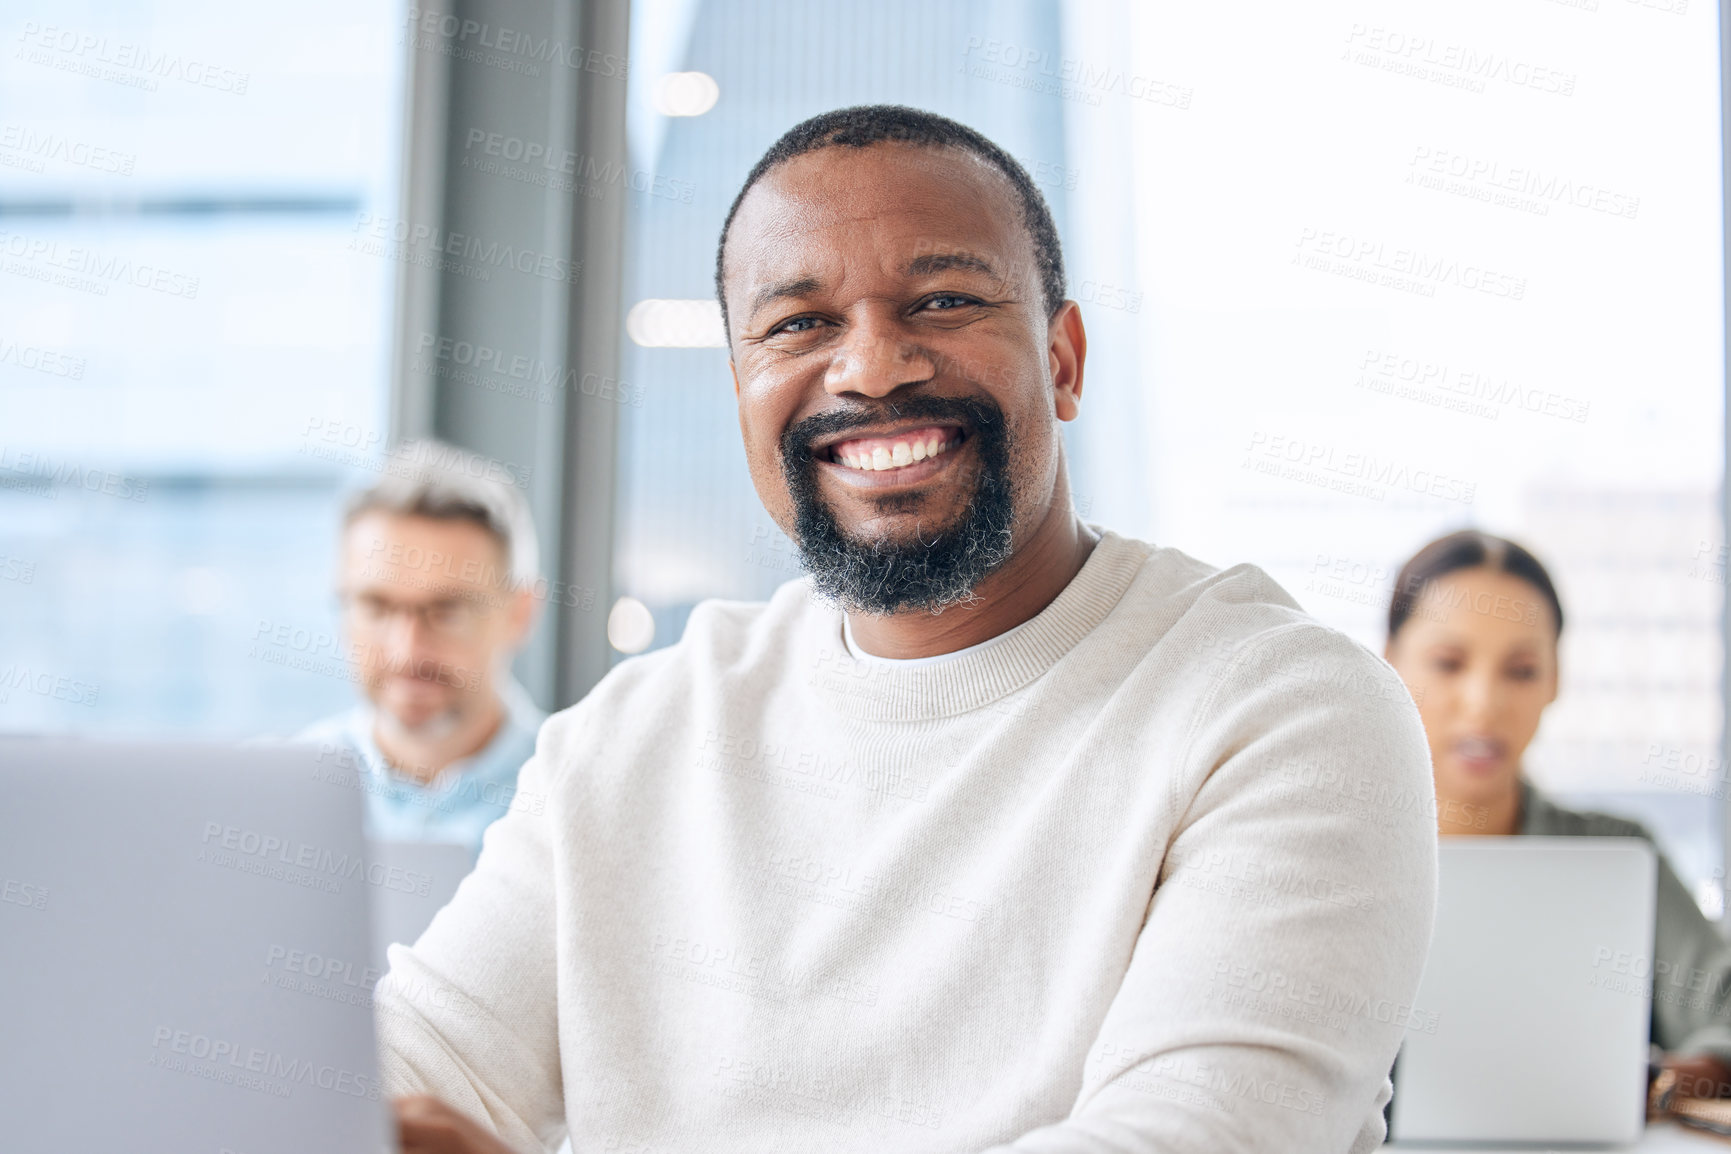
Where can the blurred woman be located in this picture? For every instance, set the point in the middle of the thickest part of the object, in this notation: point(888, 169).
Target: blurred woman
point(1472, 630)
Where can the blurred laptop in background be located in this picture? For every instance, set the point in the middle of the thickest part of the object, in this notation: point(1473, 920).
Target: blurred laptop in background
point(1540, 987)
point(192, 969)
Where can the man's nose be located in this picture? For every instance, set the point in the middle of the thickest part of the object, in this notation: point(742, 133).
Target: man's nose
point(407, 634)
point(876, 358)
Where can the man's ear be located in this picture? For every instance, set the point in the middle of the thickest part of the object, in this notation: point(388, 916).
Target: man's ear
point(733, 370)
point(1067, 349)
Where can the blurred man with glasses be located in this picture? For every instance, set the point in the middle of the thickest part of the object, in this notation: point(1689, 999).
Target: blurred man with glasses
point(434, 577)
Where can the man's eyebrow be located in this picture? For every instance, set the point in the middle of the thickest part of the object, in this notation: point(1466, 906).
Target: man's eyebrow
point(944, 261)
point(787, 288)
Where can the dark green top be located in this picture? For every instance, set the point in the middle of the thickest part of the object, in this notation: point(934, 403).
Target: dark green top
point(1692, 996)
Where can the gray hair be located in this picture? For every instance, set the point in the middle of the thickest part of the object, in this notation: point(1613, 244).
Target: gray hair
point(428, 478)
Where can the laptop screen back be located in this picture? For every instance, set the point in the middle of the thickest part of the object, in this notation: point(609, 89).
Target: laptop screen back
point(186, 952)
point(1540, 1034)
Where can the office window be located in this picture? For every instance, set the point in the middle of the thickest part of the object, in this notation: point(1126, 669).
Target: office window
point(1354, 276)
point(1460, 267)
point(193, 354)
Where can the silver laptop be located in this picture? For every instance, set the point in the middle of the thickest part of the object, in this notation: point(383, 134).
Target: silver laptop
point(184, 942)
point(1539, 985)
point(423, 875)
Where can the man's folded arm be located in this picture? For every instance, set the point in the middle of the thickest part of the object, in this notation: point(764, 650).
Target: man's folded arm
point(1273, 979)
point(467, 1014)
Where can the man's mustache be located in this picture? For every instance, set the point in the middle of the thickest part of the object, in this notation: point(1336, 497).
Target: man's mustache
point(971, 413)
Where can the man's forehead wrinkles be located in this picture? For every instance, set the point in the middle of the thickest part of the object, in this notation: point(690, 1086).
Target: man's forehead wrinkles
point(784, 212)
point(790, 214)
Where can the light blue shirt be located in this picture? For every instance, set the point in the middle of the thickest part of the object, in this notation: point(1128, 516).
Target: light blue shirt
point(469, 795)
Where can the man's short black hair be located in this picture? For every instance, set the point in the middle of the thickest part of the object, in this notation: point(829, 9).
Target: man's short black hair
point(869, 124)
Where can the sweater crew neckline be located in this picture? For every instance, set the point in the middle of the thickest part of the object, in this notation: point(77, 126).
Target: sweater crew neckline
point(876, 691)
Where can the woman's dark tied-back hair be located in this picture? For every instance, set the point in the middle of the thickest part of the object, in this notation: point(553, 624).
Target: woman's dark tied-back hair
point(1467, 549)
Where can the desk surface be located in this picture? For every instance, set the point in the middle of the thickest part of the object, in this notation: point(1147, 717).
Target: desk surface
point(1660, 1138)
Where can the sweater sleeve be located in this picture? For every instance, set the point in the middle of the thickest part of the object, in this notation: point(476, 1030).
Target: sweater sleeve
point(467, 1014)
point(1273, 978)
point(1691, 975)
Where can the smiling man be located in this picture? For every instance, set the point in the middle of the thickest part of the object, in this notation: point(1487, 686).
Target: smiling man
point(999, 832)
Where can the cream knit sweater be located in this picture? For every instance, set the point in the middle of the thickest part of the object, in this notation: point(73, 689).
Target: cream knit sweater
point(1156, 873)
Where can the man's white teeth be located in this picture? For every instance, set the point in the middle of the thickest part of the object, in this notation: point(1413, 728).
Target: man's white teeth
point(900, 454)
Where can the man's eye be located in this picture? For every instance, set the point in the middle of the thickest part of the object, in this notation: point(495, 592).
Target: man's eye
point(796, 325)
point(950, 301)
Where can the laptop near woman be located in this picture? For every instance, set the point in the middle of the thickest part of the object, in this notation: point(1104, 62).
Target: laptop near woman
point(1540, 982)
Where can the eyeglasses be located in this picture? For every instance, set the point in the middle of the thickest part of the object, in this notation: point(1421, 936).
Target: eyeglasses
point(448, 617)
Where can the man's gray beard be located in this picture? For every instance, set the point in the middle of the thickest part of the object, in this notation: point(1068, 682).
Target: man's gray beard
point(436, 728)
point(882, 577)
